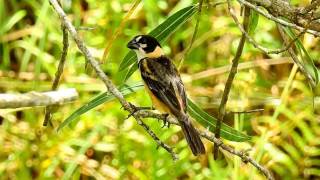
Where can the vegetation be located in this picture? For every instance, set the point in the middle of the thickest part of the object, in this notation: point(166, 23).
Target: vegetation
point(92, 136)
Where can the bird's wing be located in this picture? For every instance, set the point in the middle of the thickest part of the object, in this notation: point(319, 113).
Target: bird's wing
point(163, 80)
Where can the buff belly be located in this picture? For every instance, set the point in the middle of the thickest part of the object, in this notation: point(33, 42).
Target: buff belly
point(160, 106)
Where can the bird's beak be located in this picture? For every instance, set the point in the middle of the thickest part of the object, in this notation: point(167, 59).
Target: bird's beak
point(133, 45)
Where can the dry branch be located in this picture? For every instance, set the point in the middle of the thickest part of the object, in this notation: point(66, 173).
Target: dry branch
point(257, 45)
point(245, 65)
point(294, 56)
point(232, 74)
point(33, 99)
point(279, 8)
point(65, 42)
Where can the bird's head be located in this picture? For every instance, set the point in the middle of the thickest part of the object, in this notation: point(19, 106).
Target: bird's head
point(145, 46)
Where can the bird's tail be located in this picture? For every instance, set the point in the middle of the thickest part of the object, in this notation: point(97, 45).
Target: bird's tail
point(192, 136)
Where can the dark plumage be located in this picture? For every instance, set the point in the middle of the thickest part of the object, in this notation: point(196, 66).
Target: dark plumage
point(165, 87)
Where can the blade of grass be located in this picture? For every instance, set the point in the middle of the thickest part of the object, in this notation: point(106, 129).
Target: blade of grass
point(98, 129)
point(253, 22)
point(307, 58)
point(193, 38)
point(42, 17)
point(210, 122)
point(12, 21)
point(100, 99)
point(31, 48)
point(131, 70)
point(119, 29)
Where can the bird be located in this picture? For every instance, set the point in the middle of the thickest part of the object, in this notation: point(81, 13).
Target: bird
point(165, 87)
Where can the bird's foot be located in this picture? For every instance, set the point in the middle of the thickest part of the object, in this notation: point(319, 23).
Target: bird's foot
point(165, 121)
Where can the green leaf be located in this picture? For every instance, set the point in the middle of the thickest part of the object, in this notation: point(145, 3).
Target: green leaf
point(12, 21)
point(128, 60)
point(209, 123)
point(100, 99)
point(161, 32)
point(130, 71)
point(195, 112)
point(309, 66)
point(253, 21)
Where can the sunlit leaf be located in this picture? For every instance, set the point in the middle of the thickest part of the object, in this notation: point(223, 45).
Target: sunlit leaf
point(100, 99)
point(130, 71)
point(309, 65)
point(119, 29)
point(12, 21)
point(209, 123)
point(253, 21)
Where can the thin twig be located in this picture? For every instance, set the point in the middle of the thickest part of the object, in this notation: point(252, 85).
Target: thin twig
point(193, 38)
point(287, 45)
point(65, 42)
point(159, 142)
point(241, 66)
point(247, 111)
point(257, 45)
point(95, 65)
point(119, 29)
point(294, 56)
point(275, 19)
point(233, 71)
point(142, 114)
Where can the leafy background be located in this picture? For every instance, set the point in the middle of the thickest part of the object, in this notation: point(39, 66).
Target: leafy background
point(103, 144)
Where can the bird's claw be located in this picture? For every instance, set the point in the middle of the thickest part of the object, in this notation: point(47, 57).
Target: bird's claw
point(165, 121)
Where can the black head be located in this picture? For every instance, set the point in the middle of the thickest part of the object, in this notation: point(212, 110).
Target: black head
point(145, 42)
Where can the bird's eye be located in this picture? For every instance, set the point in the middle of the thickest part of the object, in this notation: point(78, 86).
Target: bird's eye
point(143, 40)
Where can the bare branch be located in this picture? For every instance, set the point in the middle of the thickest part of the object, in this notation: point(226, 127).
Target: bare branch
point(233, 71)
point(295, 15)
point(193, 38)
point(295, 57)
point(65, 42)
point(118, 30)
point(273, 17)
point(32, 99)
point(159, 142)
point(241, 66)
point(256, 44)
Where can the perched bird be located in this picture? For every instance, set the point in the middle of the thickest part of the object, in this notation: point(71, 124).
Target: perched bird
point(163, 83)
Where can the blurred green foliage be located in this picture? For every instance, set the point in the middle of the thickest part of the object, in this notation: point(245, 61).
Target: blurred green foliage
point(103, 144)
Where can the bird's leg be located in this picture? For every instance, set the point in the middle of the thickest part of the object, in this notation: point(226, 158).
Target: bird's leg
point(165, 121)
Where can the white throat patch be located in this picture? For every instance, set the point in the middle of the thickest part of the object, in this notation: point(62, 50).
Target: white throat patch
point(140, 54)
